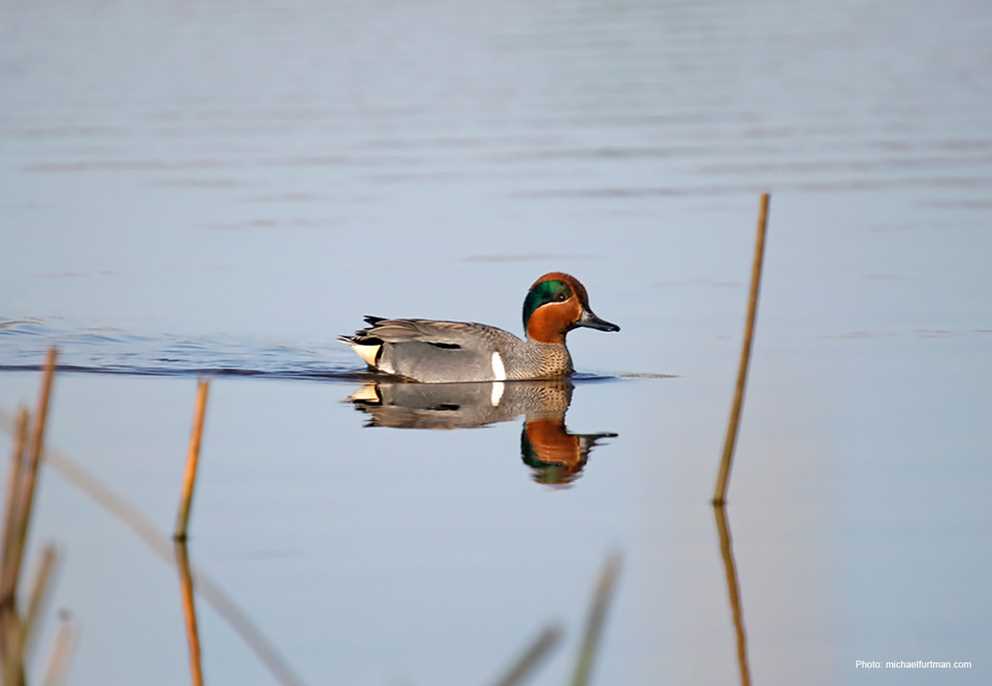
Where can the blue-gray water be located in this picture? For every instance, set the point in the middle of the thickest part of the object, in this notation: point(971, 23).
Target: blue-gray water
point(190, 189)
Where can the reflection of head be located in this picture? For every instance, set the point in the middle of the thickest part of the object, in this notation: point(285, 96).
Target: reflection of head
point(555, 456)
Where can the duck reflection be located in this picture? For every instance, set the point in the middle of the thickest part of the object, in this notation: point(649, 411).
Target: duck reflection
point(555, 455)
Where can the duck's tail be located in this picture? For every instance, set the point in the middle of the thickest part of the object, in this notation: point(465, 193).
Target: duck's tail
point(366, 346)
point(369, 352)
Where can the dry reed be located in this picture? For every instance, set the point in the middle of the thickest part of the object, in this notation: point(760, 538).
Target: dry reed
point(65, 640)
point(209, 590)
point(26, 491)
point(192, 461)
point(39, 590)
point(723, 478)
point(22, 486)
point(13, 498)
point(535, 653)
point(596, 619)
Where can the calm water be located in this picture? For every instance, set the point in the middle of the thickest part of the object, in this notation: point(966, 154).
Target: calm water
point(187, 189)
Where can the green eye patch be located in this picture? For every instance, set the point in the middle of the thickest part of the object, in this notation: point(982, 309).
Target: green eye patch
point(544, 293)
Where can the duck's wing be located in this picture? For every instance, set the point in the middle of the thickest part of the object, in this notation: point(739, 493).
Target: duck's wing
point(429, 349)
point(461, 334)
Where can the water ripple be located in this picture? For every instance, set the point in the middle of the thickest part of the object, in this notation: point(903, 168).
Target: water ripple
point(111, 351)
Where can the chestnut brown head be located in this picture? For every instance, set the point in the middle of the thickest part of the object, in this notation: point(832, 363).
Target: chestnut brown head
point(556, 304)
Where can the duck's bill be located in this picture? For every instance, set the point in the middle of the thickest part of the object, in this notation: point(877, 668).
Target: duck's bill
point(591, 321)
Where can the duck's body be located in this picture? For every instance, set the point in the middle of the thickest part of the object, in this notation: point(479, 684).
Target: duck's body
point(435, 351)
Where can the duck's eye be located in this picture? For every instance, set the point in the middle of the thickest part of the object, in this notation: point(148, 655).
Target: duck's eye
point(561, 297)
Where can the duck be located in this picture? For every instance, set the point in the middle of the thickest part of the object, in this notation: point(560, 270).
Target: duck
point(435, 351)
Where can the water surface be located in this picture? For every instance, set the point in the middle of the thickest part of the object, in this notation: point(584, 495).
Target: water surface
point(223, 190)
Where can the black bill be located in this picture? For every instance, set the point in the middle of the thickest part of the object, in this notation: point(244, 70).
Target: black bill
point(590, 320)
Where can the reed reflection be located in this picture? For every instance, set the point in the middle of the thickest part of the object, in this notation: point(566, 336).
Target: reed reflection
point(555, 455)
point(189, 613)
point(733, 591)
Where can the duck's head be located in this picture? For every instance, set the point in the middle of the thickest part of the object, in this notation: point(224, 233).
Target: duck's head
point(556, 304)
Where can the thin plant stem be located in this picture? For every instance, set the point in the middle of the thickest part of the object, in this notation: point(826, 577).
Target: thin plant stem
point(723, 478)
point(535, 653)
point(209, 590)
point(13, 666)
point(42, 580)
point(13, 496)
point(65, 641)
point(27, 489)
point(595, 620)
point(192, 461)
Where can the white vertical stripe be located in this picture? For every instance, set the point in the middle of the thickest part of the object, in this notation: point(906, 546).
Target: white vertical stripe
point(499, 371)
point(499, 374)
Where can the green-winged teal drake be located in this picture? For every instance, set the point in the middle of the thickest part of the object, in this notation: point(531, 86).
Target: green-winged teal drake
point(433, 351)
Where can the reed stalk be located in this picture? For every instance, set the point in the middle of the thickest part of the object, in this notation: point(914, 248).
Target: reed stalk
point(13, 663)
point(58, 663)
point(189, 613)
point(159, 544)
point(39, 590)
point(595, 620)
point(11, 509)
point(535, 653)
point(192, 461)
point(27, 489)
point(20, 633)
point(723, 478)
